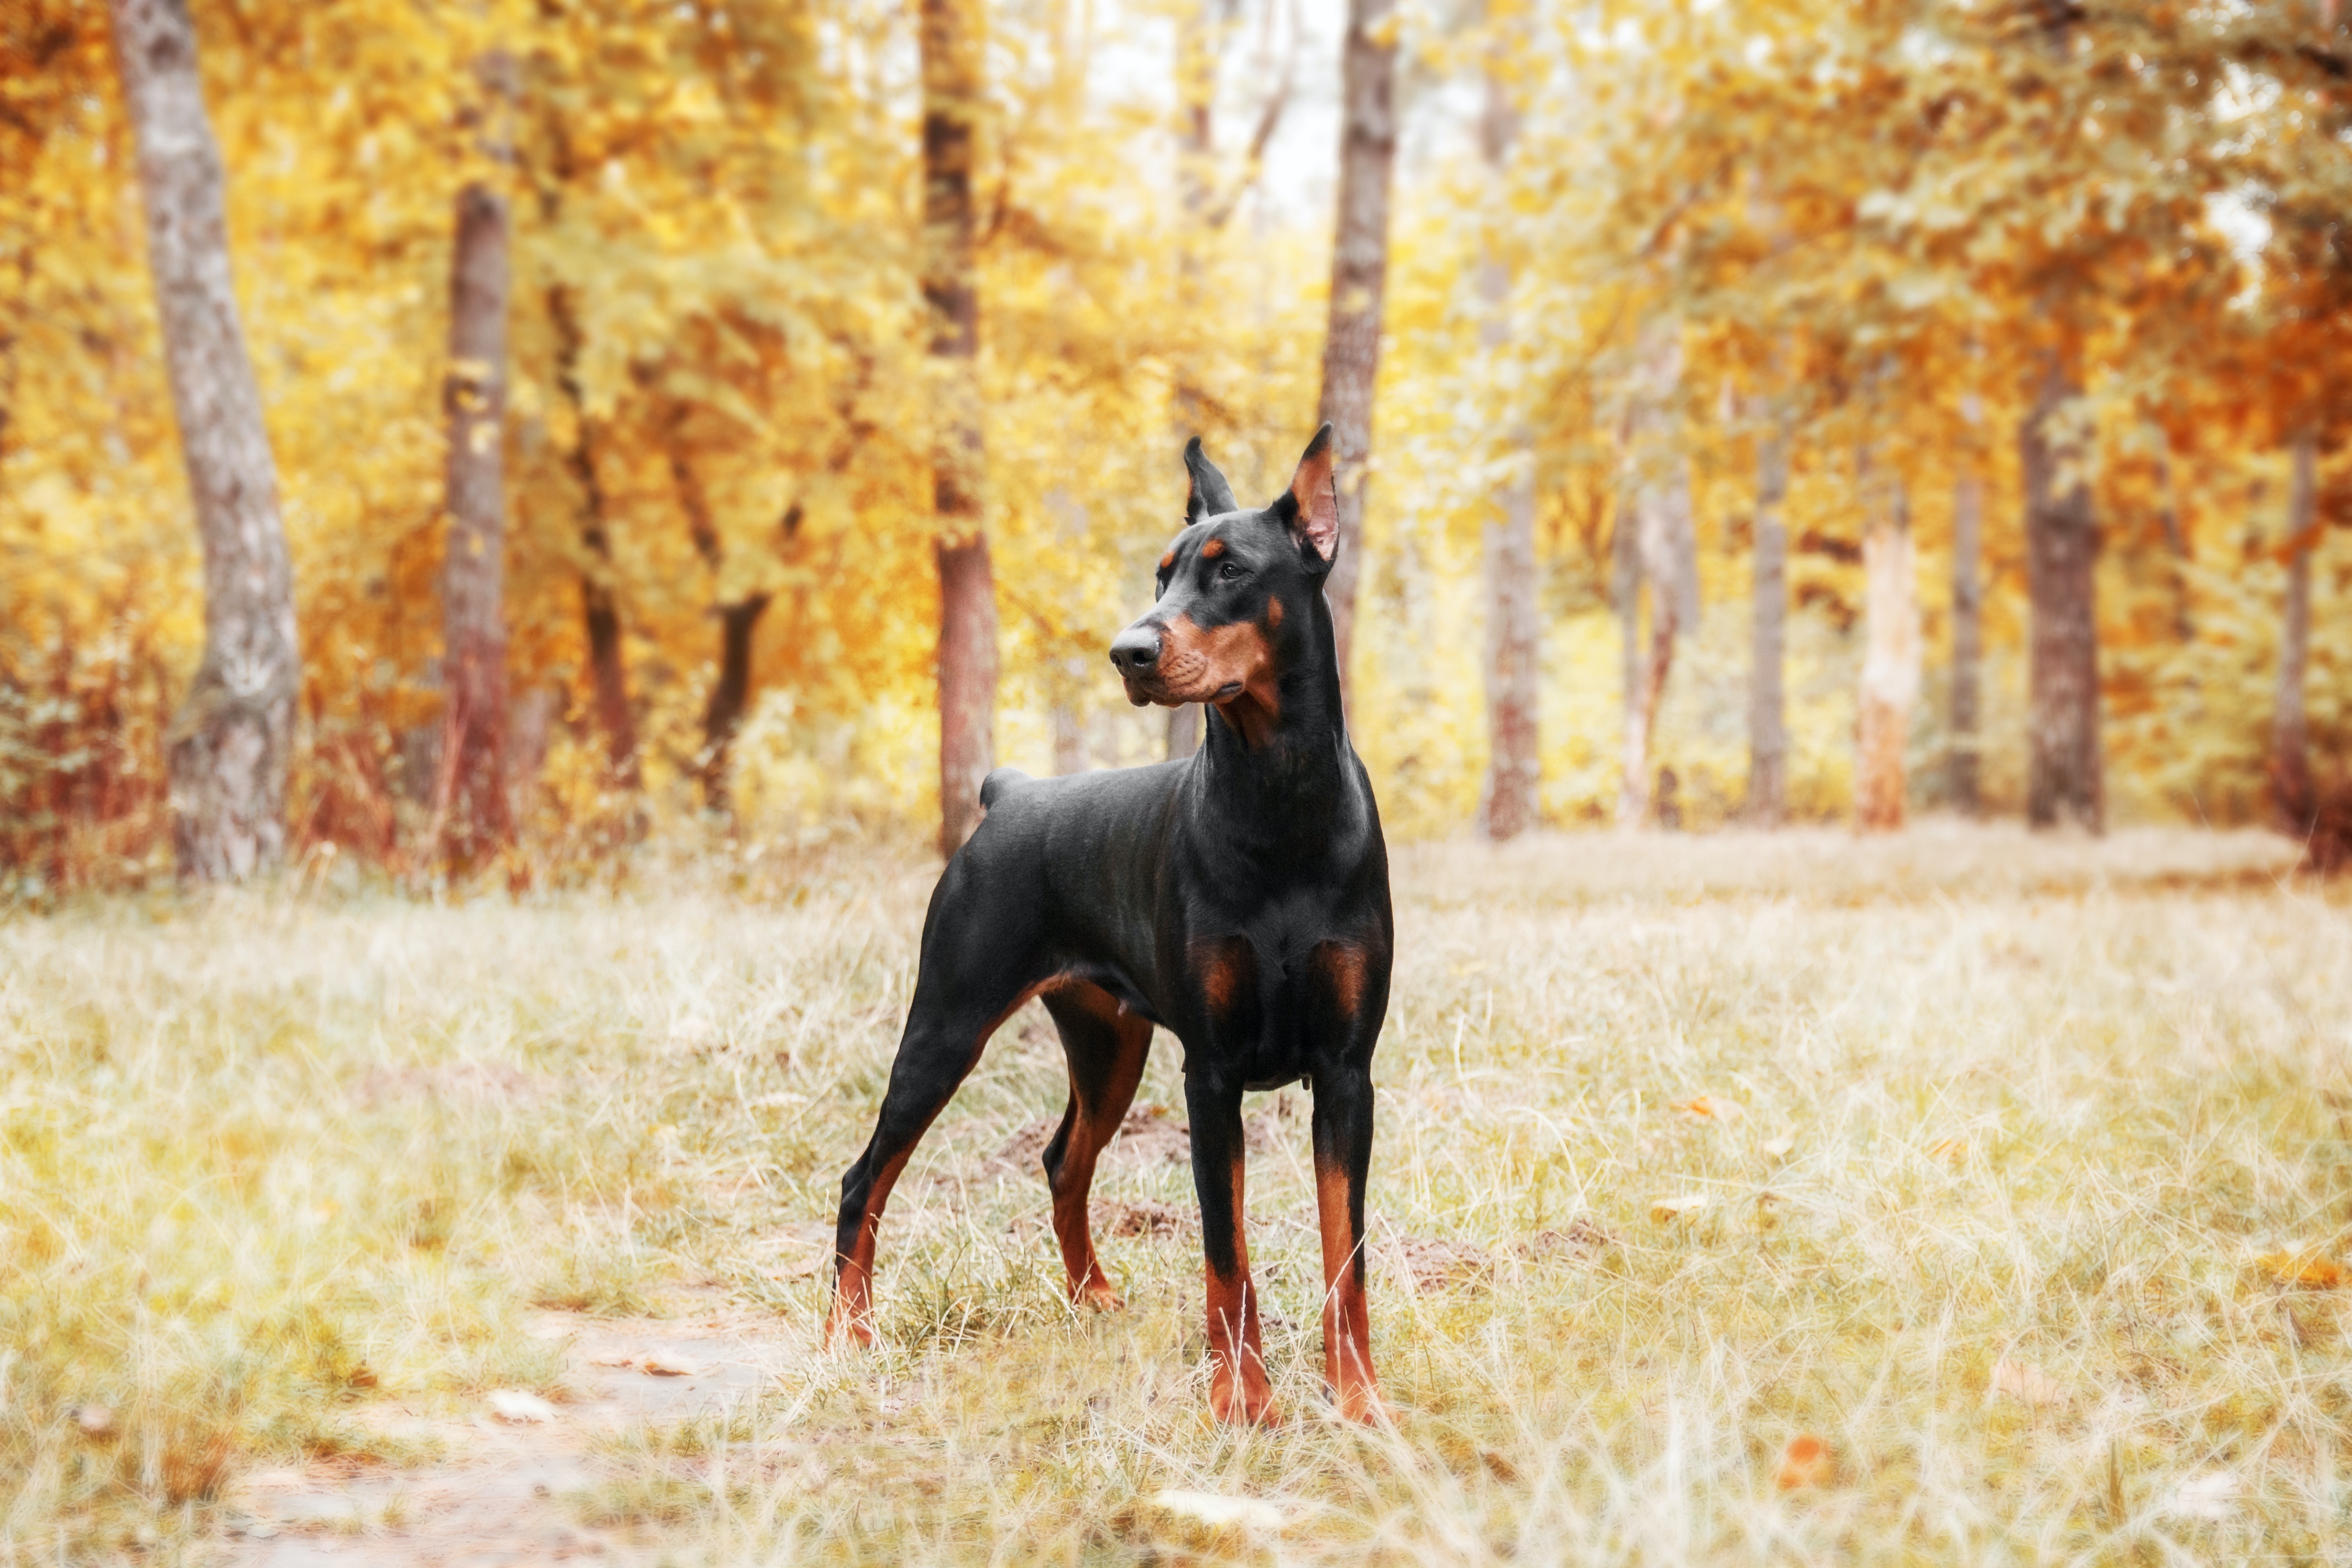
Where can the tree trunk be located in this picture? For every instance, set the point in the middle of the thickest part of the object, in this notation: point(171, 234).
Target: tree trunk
point(1183, 732)
point(600, 611)
point(1661, 515)
point(1663, 551)
point(2176, 541)
point(1967, 642)
point(1890, 667)
point(472, 803)
point(1069, 739)
point(731, 696)
point(231, 740)
point(1768, 727)
point(2290, 784)
point(1360, 267)
point(1514, 632)
point(951, 281)
point(2061, 547)
point(1196, 84)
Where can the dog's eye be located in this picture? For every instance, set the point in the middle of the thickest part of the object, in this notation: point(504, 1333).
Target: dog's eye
point(1230, 571)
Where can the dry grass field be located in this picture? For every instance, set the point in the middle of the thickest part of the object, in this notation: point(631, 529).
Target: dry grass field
point(1960, 1197)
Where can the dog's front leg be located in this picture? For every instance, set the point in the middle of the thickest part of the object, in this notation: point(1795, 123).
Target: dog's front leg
point(1343, 1157)
point(1238, 1390)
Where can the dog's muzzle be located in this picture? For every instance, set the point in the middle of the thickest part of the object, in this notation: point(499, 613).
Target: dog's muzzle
point(1135, 654)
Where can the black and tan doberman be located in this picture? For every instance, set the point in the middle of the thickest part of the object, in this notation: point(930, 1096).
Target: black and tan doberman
point(1238, 899)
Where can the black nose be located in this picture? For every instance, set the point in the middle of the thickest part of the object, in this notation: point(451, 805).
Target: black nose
point(1136, 651)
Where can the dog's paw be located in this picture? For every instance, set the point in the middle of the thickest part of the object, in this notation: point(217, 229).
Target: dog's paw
point(1097, 1296)
point(1243, 1402)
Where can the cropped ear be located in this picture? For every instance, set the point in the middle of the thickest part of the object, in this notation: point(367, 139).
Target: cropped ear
point(1210, 495)
point(1313, 502)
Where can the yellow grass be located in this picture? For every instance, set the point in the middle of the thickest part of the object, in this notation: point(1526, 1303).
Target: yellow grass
point(1997, 1136)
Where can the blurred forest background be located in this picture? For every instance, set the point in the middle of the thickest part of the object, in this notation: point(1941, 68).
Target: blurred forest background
point(671, 419)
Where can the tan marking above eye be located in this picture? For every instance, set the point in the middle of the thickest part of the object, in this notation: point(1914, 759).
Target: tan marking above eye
point(1211, 551)
point(1274, 614)
point(1168, 560)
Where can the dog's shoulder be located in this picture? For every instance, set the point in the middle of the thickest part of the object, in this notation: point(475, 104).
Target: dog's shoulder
point(998, 781)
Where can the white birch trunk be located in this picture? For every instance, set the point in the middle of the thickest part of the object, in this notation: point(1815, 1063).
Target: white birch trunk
point(231, 740)
point(1890, 666)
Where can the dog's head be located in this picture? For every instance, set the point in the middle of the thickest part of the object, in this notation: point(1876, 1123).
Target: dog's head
point(1237, 593)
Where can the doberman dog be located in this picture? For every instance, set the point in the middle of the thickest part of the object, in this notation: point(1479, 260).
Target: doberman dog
point(1238, 898)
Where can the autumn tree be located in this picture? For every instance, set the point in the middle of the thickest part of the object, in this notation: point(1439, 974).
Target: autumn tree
point(232, 740)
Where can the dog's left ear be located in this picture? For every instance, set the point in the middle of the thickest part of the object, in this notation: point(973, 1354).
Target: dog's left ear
point(1210, 495)
point(1311, 505)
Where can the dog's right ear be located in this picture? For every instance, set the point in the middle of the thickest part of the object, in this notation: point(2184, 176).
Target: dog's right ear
point(1311, 505)
point(1210, 495)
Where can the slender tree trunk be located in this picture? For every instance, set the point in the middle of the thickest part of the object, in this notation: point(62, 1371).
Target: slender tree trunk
point(1662, 550)
point(1514, 630)
point(2064, 783)
point(2290, 784)
point(600, 611)
point(1183, 732)
point(1196, 83)
point(951, 55)
point(1653, 525)
point(1768, 727)
point(231, 740)
point(732, 696)
point(1360, 267)
point(1968, 641)
point(2176, 541)
point(1890, 668)
point(1069, 739)
point(473, 807)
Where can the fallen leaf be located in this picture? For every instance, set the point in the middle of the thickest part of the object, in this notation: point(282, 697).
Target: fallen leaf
point(1665, 1211)
point(613, 1358)
point(95, 1420)
point(1950, 1150)
point(1778, 1147)
point(666, 1365)
point(1707, 1108)
point(2028, 1383)
point(514, 1405)
point(362, 1377)
point(1806, 1462)
point(1218, 1512)
point(2207, 1496)
point(2310, 1269)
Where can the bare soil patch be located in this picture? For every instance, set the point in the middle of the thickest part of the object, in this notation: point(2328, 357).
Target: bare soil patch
point(511, 1490)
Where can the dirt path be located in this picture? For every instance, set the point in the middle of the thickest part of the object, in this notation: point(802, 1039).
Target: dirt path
point(511, 1496)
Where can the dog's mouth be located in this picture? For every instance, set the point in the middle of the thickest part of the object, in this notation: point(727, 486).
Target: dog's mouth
point(1151, 688)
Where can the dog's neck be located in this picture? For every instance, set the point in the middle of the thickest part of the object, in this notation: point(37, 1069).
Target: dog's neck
point(1284, 773)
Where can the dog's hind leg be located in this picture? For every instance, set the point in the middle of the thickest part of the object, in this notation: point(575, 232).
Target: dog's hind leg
point(972, 978)
point(1105, 1047)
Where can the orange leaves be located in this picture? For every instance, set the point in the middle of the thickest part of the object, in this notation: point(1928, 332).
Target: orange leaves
point(1806, 1462)
point(1678, 1209)
point(2308, 1270)
point(2027, 1384)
